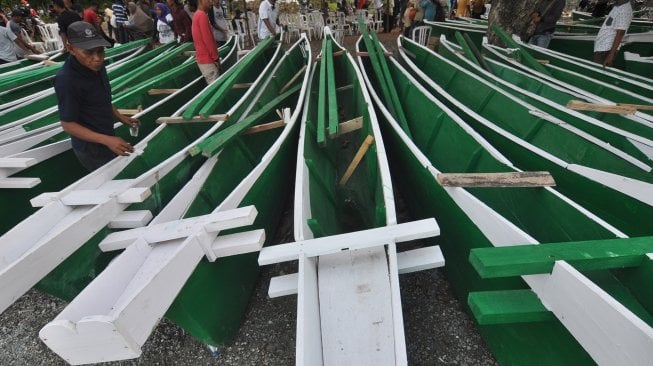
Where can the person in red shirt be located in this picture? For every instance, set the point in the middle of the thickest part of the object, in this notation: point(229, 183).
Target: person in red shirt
point(206, 50)
point(90, 14)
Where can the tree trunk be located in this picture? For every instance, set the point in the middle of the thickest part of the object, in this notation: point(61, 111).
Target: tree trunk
point(514, 17)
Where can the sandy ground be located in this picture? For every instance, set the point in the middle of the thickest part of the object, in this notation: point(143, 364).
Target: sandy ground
point(438, 331)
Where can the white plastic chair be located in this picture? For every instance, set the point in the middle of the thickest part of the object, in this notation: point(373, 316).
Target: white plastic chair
point(241, 32)
point(421, 34)
point(49, 41)
point(38, 45)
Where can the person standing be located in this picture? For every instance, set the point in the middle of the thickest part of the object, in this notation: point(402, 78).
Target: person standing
point(84, 99)
point(545, 23)
point(163, 23)
point(65, 18)
point(24, 47)
point(612, 32)
point(206, 51)
point(182, 24)
point(268, 15)
point(218, 18)
point(8, 44)
point(120, 12)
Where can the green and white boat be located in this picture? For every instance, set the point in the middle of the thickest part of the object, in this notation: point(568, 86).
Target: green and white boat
point(544, 319)
point(636, 64)
point(241, 164)
point(585, 168)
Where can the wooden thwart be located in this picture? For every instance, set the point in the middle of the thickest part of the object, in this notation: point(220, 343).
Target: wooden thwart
point(619, 108)
point(264, 127)
point(161, 91)
point(357, 159)
point(350, 126)
point(211, 118)
point(131, 112)
point(293, 79)
point(512, 179)
point(242, 85)
point(367, 54)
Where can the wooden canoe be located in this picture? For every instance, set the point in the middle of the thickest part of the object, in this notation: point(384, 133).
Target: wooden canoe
point(544, 331)
point(207, 297)
point(636, 64)
point(571, 157)
point(150, 178)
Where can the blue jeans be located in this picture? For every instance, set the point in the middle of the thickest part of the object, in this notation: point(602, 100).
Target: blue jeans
point(541, 40)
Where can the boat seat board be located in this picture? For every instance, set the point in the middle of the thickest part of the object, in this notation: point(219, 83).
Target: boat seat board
point(512, 179)
point(355, 316)
point(583, 106)
point(509, 306)
point(283, 285)
point(419, 259)
point(583, 255)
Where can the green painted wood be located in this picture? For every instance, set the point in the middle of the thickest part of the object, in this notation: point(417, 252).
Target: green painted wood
point(321, 99)
point(525, 57)
point(584, 256)
point(505, 307)
point(215, 94)
point(462, 42)
point(331, 89)
point(215, 143)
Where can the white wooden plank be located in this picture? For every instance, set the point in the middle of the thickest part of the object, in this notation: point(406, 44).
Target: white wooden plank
point(357, 240)
point(308, 350)
point(179, 228)
point(606, 329)
point(650, 256)
point(44, 199)
point(420, 259)
point(99, 196)
point(401, 356)
point(19, 183)
point(17, 162)
point(25, 262)
point(113, 317)
point(283, 285)
point(130, 219)
point(355, 314)
point(134, 195)
point(239, 243)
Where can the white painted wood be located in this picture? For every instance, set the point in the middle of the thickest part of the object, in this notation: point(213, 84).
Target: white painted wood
point(39, 155)
point(115, 314)
point(239, 243)
point(44, 199)
point(27, 142)
point(308, 350)
point(356, 240)
point(650, 256)
point(178, 229)
point(420, 259)
point(401, 357)
point(19, 183)
point(283, 285)
point(636, 189)
point(355, 314)
point(606, 329)
point(24, 262)
point(17, 162)
point(130, 219)
point(96, 197)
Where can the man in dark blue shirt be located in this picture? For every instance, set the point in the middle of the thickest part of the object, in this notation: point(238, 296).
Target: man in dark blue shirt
point(84, 97)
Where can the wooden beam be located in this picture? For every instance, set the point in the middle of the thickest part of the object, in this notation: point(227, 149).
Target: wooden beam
point(367, 54)
point(264, 127)
point(242, 85)
point(50, 63)
point(339, 53)
point(543, 62)
point(346, 87)
point(362, 150)
point(189, 53)
point(293, 79)
point(511, 179)
point(131, 112)
point(583, 106)
point(419, 259)
point(283, 285)
point(350, 126)
point(161, 91)
point(507, 307)
point(584, 255)
point(211, 118)
point(639, 107)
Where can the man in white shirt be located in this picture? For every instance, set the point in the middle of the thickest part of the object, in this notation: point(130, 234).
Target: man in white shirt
point(268, 14)
point(612, 32)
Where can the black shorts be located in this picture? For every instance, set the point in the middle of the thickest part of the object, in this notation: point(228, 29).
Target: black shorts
point(93, 156)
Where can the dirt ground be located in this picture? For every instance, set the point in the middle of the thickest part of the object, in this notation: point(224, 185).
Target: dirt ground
point(438, 331)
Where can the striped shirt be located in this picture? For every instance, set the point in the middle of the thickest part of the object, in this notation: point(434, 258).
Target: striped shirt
point(119, 12)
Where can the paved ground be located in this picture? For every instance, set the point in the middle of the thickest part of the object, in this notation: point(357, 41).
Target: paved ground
point(438, 331)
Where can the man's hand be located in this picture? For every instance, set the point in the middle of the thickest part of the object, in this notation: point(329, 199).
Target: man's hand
point(608, 60)
point(129, 120)
point(118, 145)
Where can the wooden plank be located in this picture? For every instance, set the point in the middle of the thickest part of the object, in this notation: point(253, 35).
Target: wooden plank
point(238, 243)
point(609, 332)
point(17, 162)
point(355, 314)
point(362, 150)
point(131, 219)
point(639, 107)
point(350, 126)
point(510, 179)
point(507, 307)
point(242, 85)
point(309, 333)
point(339, 53)
point(357, 240)
point(161, 91)
point(130, 112)
point(19, 183)
point(367, 54)
point(264, 127)
point(212, 118)
point(283, 285)
point(584, 255)
point(292, 80)
point(543, 62)
point(604, 108)
point(50, 63)
point(99, 196)
point(420, 259)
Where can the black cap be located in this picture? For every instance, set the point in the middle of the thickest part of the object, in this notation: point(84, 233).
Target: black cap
point(84, 35)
